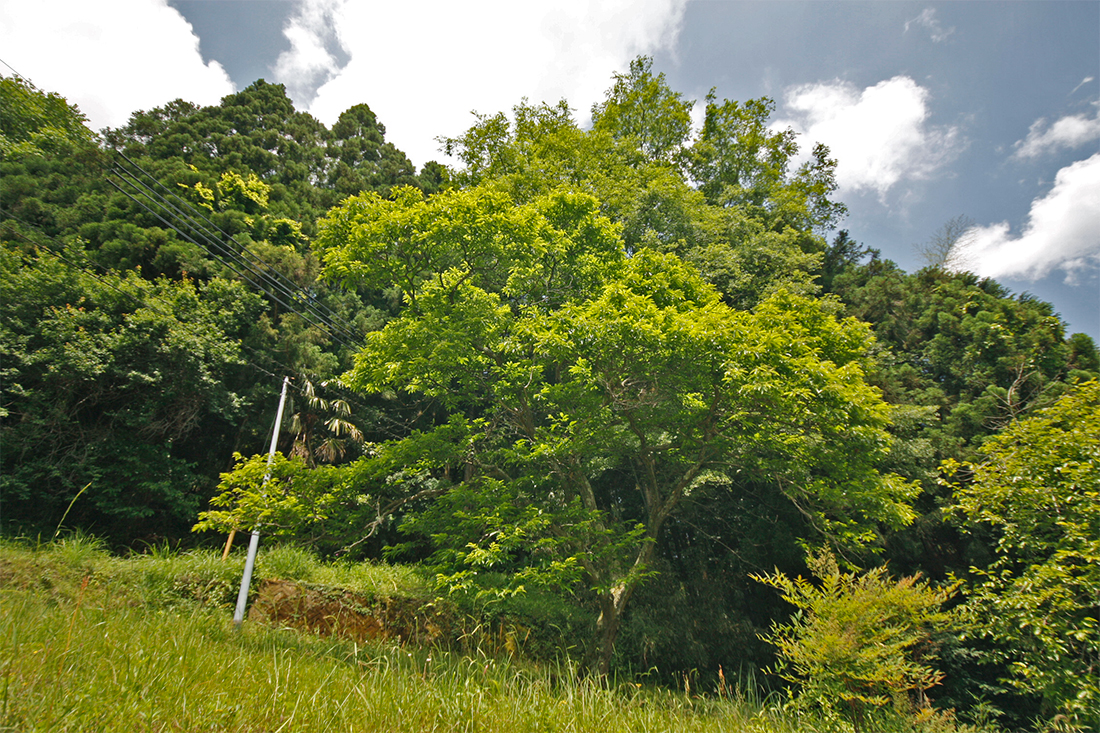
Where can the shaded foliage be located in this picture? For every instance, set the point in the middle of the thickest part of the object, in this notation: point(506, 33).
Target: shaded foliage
point(133, 351)
point(1037, 488)
point(115, 381)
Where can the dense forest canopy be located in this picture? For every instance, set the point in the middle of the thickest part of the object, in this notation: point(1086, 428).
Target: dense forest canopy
point(634, 364)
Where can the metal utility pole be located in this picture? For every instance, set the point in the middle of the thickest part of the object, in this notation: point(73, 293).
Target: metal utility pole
point(254, 543)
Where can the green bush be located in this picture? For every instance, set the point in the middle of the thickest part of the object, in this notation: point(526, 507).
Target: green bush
point(858, 646)
point(1038, 492)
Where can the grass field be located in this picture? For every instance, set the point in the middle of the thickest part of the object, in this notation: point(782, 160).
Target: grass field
point(89, 642)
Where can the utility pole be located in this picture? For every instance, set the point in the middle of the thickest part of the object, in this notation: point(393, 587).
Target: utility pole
point(254, 543)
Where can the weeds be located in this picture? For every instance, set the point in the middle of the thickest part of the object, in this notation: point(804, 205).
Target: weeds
point(113, 644)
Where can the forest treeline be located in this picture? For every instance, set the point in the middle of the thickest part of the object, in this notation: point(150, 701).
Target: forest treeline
point(639, 366)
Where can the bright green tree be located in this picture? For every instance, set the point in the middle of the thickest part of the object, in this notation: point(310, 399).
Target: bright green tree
point(1038, 490)
point(278, 495)
point(583, 394)
point(733, 203)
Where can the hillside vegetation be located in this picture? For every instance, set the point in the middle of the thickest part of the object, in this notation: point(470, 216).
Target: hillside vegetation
point(626, 396)
point(93, 642)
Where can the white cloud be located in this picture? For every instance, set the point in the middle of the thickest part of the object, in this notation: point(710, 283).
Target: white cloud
point(424, 66)
point(880, 136)
point(1068, 132)
point(1063, 231)
point(928, 20)
point(1084, 81)
point(310, 61)
point(110, 57)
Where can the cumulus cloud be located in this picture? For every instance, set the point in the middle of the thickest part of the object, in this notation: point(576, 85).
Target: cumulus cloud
point(1063, 231)
point(880, 136)
point(929, 22)
point(1068, 132)
point(312, 58)
point(110, 57)
point(424, 66)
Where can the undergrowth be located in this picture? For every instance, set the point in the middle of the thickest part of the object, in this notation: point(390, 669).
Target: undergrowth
point(89, 642)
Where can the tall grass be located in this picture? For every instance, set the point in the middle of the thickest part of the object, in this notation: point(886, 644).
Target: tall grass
point(372, 579)
point(93, 643)
point(138, 671)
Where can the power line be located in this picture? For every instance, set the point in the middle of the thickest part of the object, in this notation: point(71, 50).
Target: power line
point(333, 388)
point(264, 277)
point(273, 294)
point(175, 212)
point(136, 300)
point(262, 273)
point(243, 269)
point(5, 63)
point(178, 214)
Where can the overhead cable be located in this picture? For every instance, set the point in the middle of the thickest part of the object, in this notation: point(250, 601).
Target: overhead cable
point(176, 212)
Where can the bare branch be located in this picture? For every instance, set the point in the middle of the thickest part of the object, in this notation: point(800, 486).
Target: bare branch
point(943, 250)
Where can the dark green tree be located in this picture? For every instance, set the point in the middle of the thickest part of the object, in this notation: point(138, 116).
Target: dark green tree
point(255, 169)
point(362, 160)
point(34, 122)
point(108, 381)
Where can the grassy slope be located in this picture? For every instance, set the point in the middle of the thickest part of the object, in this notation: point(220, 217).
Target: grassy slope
point(94, 643)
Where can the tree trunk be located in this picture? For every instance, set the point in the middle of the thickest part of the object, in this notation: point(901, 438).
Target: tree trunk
point(613, 602)
point(612, 605)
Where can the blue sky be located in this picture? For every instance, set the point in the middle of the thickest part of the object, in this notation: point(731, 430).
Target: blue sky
point(934, 110)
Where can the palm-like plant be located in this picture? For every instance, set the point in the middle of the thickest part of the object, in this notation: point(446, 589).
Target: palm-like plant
point(323, 429)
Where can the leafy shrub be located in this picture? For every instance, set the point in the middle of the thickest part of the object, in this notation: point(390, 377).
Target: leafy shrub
point(1038, 490)
point(279, 494)
point(858, 645)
